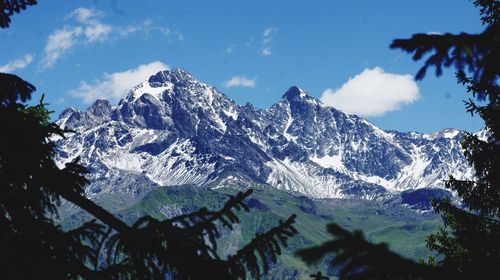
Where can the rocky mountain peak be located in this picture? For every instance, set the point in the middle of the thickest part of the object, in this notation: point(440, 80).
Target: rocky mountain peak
point(294, 93)
point(174, 76)
point(175, 130)
point(100, 108)
point(67, 112)
point(445, 133)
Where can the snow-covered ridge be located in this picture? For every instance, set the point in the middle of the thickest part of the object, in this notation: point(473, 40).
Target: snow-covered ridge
point(175, 130)
point(445, 133)
point(145, 87)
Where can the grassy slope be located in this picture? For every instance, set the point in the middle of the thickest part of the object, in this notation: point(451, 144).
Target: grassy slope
point(403, 229)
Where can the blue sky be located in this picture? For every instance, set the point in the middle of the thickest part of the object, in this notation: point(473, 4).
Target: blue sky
point(253, 51)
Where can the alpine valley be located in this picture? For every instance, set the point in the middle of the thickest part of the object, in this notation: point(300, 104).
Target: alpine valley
point(174, 143)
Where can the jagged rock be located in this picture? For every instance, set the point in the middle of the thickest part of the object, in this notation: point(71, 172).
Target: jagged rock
point(174, 130)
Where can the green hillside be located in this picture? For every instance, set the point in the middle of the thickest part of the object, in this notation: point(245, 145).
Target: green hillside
point(402, 228)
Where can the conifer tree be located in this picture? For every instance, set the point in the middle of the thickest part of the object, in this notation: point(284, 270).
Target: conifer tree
point(468, 243)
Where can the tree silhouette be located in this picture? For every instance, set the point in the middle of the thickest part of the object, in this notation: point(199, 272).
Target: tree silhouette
point(30, 182)
point(469, 239)
point(186, 247)
point(468, 243)
point(361, 259)
point(9, 7)
point(32, 186)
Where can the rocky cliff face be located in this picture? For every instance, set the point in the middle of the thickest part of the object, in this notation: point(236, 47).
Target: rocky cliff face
point(175, 130)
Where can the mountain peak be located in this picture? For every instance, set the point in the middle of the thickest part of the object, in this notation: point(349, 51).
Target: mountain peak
point(444, 133)
point(294, 93)
point(100, 108)
point(68, 112)
point(181, 74)
point(176, 130)
point(100, 103)
point(175, 75)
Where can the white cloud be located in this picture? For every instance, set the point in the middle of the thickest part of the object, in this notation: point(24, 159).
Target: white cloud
point(240, 81)
point(269, 31)
point(148, 28)
point(93, 28)
point(59, 43)
point(129, 30)
point(230, 49)
point(97, 32)
point(373, 92)
point(62, 40)
point(266, 51)
point(17, 64)
point(85, 16)
point(144, 27)
point(267, 38)
point(88, 30)
point(83, 26)
point(114, 86)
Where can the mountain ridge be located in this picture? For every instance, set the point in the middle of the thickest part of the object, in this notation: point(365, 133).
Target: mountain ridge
point(174, 130)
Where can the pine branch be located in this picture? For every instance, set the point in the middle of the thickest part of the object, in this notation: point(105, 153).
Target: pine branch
point(175, 245)
point(456, 212)
point(489, 10)
point(360, 259)
point(266, 245)
point(96, 211)
point(9, 7)
point(476, 53)
point(476, 88)
point(226, 215)
point(13, 88)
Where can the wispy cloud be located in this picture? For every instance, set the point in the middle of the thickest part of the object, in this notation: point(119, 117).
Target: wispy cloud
point(373, 92)
point(84, 26)
point(266, 51)
point(268, 32)
point(230, 49)
point(148, 28)
point(126, 31)
point(267, 38)
point(93, 28)
point(58, 44)
point(17, 64)
point(89, 29)
point(240, 81)
point(115, 85)
point(85, 15)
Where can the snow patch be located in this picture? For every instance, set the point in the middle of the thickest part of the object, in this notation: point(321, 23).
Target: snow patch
point(145, 87)
point(450, 133)
point(334, 162)
point(289, 122)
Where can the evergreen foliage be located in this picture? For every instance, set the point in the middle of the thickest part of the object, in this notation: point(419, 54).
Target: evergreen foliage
point(467, 244)
point(185, 247)
point(468, 241)
point(10, 7)
point(361, 259)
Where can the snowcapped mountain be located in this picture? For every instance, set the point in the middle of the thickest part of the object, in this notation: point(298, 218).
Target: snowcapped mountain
point(175, 130)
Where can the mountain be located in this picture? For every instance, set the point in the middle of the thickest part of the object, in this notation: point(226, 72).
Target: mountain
point(174, 130)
